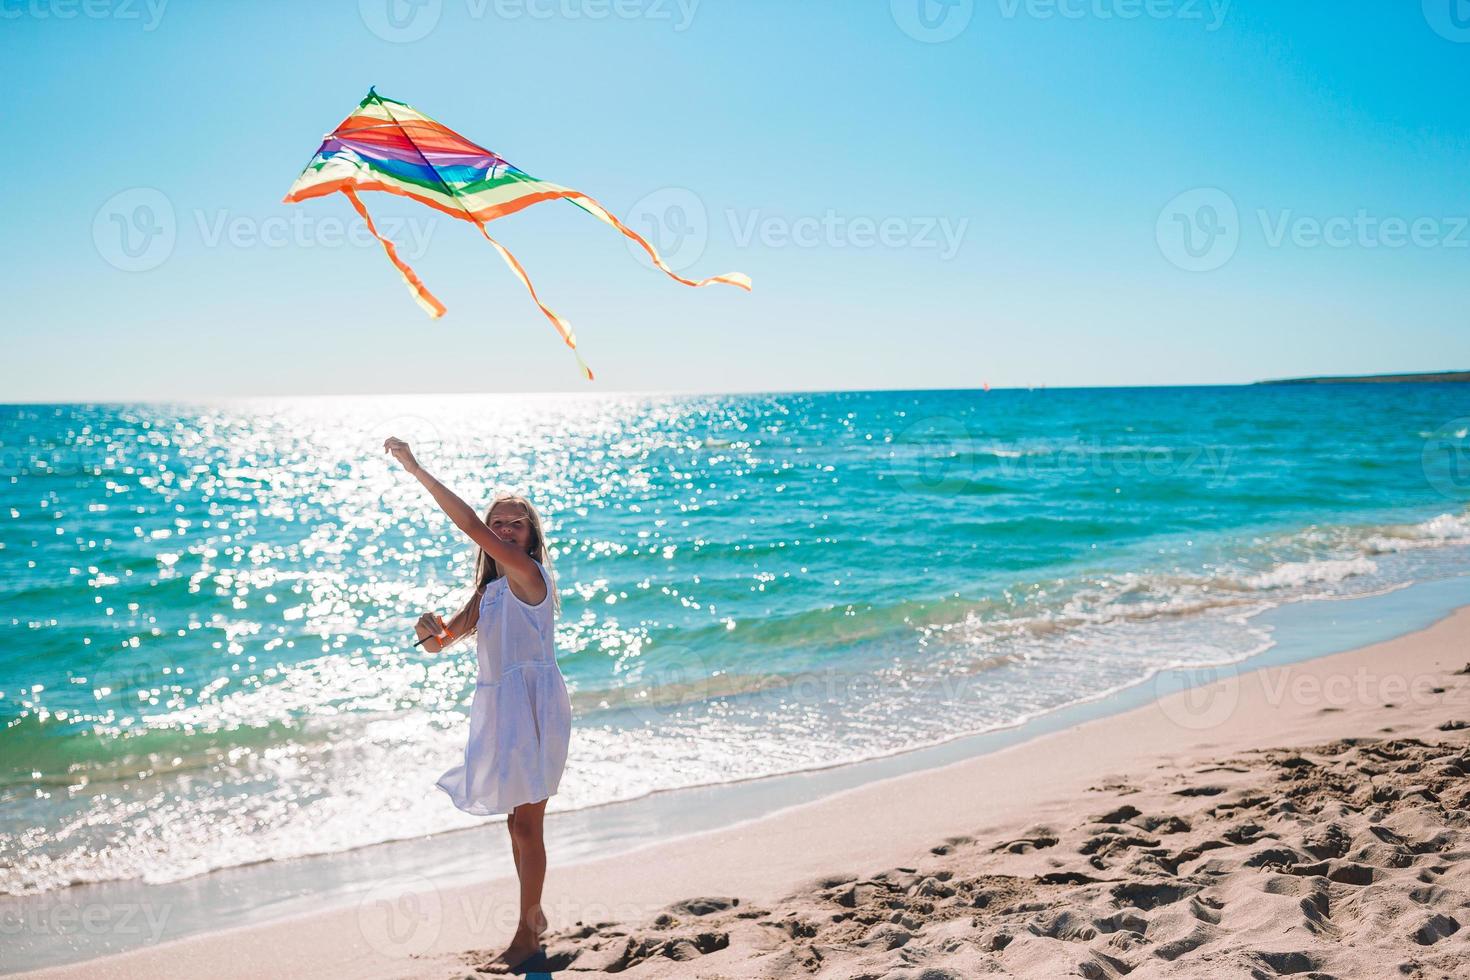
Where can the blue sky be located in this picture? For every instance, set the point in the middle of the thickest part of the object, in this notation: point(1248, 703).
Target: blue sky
point(1069, 192)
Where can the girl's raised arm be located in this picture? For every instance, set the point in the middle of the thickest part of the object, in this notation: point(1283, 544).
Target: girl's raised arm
point(516, 564)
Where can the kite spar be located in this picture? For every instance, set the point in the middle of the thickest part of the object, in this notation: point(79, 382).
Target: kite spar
point(390, 146)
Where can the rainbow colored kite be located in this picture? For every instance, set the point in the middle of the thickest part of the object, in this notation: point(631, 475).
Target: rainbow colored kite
point(390, 146)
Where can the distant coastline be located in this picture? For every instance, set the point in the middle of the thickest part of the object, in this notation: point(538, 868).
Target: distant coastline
point(1442, 376)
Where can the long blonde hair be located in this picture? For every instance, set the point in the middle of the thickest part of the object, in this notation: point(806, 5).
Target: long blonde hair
point(486, 570)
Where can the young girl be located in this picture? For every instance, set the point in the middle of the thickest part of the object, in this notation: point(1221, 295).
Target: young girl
point(521, 715)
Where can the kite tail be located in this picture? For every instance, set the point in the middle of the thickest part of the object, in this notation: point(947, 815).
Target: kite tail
point(562, 327)
point(421, 293)
point(598, 211)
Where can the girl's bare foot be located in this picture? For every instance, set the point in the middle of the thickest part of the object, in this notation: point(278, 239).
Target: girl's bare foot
point(522, 947)
point(538, 923)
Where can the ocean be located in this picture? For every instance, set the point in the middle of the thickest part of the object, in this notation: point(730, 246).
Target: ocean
point(207, 609)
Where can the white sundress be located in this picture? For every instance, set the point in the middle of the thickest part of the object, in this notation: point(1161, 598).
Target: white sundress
point(521, 715)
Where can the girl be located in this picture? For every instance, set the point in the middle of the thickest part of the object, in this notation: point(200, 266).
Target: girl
point(521, 715)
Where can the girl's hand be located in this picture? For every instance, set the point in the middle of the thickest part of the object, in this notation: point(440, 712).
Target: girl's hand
point(429, 625)
point(402, 453)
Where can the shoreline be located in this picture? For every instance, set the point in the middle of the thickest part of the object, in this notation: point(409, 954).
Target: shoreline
point(807, 837)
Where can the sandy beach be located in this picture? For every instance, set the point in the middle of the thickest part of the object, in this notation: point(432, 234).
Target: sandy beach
point(1311, 819)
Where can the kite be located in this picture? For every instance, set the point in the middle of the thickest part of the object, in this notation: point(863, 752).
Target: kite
point(390, 146)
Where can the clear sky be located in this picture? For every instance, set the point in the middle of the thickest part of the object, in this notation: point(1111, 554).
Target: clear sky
point(925, 193)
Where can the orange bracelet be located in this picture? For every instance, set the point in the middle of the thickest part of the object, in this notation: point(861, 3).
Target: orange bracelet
point(448, 633)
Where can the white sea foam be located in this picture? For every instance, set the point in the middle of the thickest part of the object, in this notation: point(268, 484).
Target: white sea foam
point(1300, 573)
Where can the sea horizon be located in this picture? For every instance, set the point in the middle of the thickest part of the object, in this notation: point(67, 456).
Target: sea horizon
point(672, 392)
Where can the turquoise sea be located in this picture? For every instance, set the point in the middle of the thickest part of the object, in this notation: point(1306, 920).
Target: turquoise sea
point(206, 608)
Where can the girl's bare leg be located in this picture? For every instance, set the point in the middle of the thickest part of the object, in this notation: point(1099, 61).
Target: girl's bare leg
point(532, 867)
point(529, 850)
point(515, 847)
